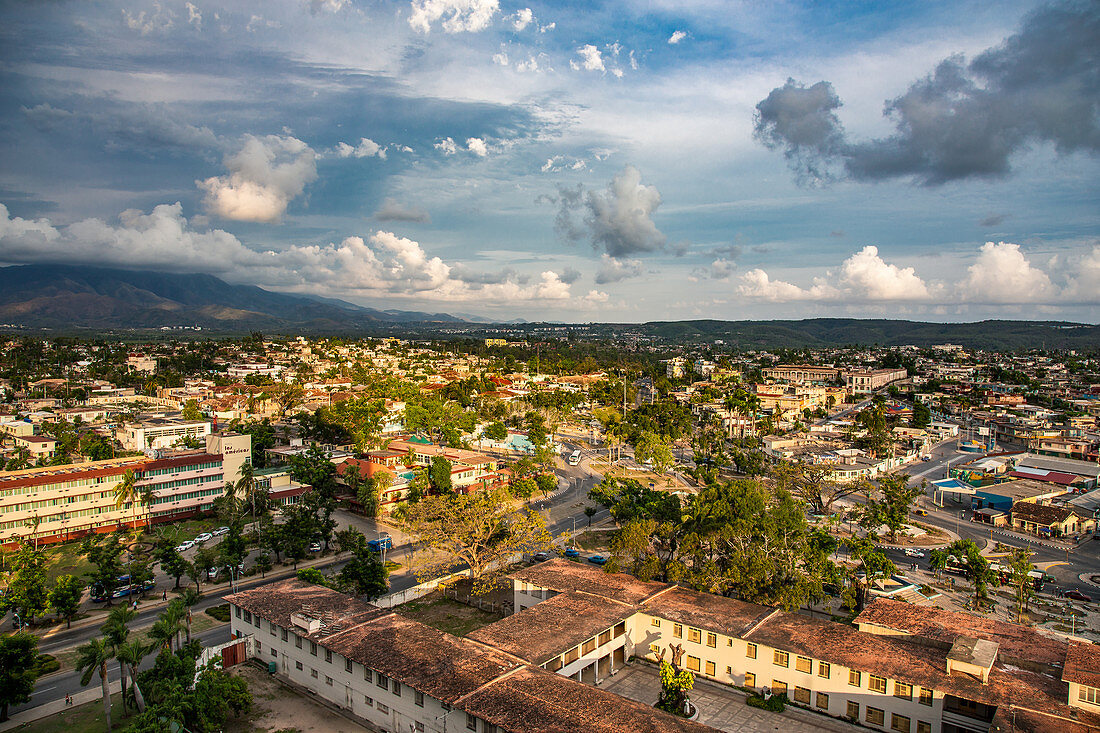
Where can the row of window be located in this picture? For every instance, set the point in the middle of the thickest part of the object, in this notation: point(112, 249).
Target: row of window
point(877, 716)
point(587, 647)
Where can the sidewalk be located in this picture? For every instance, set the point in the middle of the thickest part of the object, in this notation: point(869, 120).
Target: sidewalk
point(94, 693)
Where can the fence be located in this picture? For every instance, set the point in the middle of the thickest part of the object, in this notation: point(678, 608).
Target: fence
point(423, 589)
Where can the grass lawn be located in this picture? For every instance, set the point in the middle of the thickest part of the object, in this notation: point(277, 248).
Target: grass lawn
point(446, 614)
point(65, 560)
point(86, 718)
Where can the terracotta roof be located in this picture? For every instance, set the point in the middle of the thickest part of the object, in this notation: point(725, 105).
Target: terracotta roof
point(1016, 642)
point(723, 615)
point(1021, 720)
point(563, 575)
point(1043, 514)
point(573, 617)
point(534, 701)
point(1082, 664)
point(276, 601)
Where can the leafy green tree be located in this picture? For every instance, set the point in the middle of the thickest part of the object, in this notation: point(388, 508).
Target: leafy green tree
point(628, 499)
point(496, 432)
point(65, 597)
point(172, 563)
point(655, 450)
point(233, 548)
point(1022, 584)
point(523, 488)
point(18, 671)
point(365, 574)
point(546, 483)
point(91, 659)
point(312, 576)
point(105, 553)
point(27, 593)
point(116, 630)
point(350, 540)
point(896, 498)
point(263, 564)
point(975, 566)
point(872, 565)
point(191, 410)
point(205, 559)
point(440, 475)
point(299, 526)
point(272, 537)
point(922, 416)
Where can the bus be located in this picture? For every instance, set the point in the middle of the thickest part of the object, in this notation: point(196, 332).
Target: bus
point(574, 458)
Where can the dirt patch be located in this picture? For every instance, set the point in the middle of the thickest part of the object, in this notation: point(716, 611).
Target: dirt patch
point(279, 707)
point(449, 615)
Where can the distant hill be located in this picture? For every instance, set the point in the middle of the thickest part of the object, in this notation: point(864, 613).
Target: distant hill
point(67, 297)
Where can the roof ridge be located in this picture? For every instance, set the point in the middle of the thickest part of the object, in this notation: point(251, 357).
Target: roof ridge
point(496, 679)
point(757, 624)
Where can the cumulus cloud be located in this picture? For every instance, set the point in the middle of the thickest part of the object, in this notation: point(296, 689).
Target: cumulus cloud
point(264, 176)
point(757, 285)
point(590, 59)
point(719, 269)
point(446, 146)
point(327, 6)
point(617, 220)
point(558, 163)
point(458, 16)
point(381, 264)
point(570, 275)
point(964, 119)
point(477, 146)
point(863, 277)
point(522, 19)
point(144, 22)
point(614, 270)
point(676, 37)
point(366, 148)
point(392, 210)
point(1003, 274)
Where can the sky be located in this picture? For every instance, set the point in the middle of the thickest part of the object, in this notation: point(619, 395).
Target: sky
point(569, 161)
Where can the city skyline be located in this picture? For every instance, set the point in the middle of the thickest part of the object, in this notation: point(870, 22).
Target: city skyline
point(610, 162)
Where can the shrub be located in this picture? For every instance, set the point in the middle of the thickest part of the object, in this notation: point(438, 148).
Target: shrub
point(221, 613)
point(312, 575)
point(775, 703)
point(46, 663)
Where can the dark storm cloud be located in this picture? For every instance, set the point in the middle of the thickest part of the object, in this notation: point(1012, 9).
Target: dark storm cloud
point(964, 120)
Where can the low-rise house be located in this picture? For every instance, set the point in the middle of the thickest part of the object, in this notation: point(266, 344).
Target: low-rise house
point(1051, 521)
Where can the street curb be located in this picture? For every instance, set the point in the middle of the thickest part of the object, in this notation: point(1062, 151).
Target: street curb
point(56, 707)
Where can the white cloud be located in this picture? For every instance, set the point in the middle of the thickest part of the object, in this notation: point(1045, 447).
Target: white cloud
point(620, 216)
point(327, 6)
point(522, 19)
point(866, 274)
point(477, 146)
point(458, 16)
point(194, 15)
point(676, 37)
point(265, 175)
point(531, 64)
point(159, 18)
point(1002, 274)
point(757, 285)
point(446, 146)
point(614, 270)
point(618, 73)
point(19, 229)
point(1084, 282)
point(501, 58)
point(558, 163)
point(366, 148)
point(591, 59)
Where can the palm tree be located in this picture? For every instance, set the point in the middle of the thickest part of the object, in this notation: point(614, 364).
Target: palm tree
point(163, 632)
point(130, 654)
point(127, 493)
point(92, 658)
point(115, 631)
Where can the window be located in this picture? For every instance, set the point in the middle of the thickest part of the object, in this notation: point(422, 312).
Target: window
point(589, 646)
point(471, 722)
point(823, 670)
point(712, 640)
point(366, 674)
point(248, 617)
point(419, 726)
point(605, 636)
point(924, 727)
point(396, 688)
point(369, 701)
point(677, 630)
point(653, 649)
point(693, 663)
point(382, 681)
point(1088, 694)
point(875, 716)
point(237, 609)
point(925, 696)
point(804, 664)
point(903, 690)
point(802, 695)
point(555, 664)
point(655, 622)
point(779, 688)
point(876, 683)
point(729, 641)
point(313, 673)
point(313, 648)
point(274, 652)
point(382, 708)
point(418, 698)
point(328, 680)
point(273, 629)
point(853, 710)
point(854, 677)
point(284, 637)
point(695, 635)
point(328, 656)
point(710, 668)
point(750, 650)
point(780, 659)
point(900, 723)
point(573, 654)
point(620, 629)
point(347, 665)
point(298, 665)
point(750, 679)
point(822, 701)
point(297, 641)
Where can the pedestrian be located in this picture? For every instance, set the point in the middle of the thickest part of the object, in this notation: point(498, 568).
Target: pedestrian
point(164, 595)
point(68, 699)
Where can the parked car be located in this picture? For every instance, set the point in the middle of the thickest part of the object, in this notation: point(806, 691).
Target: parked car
point(1076, 595)
point(598, 560)
point(203, 537)
point(314, 546)
point(572, 552)
point(185, 546)
point(910, 552)
point(220, 531)
point(212, 573)
point(540, 556)
point(920, 512)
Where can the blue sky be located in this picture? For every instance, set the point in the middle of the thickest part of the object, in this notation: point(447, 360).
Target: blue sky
point(570, 161)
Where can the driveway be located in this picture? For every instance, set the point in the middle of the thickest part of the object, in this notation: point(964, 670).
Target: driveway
point(723, 707)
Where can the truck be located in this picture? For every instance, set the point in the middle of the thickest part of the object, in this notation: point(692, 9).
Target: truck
point(385, 542)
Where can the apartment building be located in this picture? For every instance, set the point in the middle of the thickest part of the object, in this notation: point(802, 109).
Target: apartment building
point(402, 676)
point(160, 432)
point(868, 380)
point(77, 499)
point(470, 470)
point(802, 374)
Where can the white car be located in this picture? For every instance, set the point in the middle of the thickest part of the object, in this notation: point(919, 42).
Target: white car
point(185, 546)
point(910, 552)
point(203, 537)
point(220, 531)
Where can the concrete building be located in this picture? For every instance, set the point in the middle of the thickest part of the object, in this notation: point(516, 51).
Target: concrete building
point(802, 374)
point(77, 499)
point(160, 432)
point(39, 446)
point(240, 371)
point(861, 381)
point(676, 368)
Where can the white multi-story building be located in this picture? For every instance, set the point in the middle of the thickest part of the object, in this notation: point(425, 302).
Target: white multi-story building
point(161, 432)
